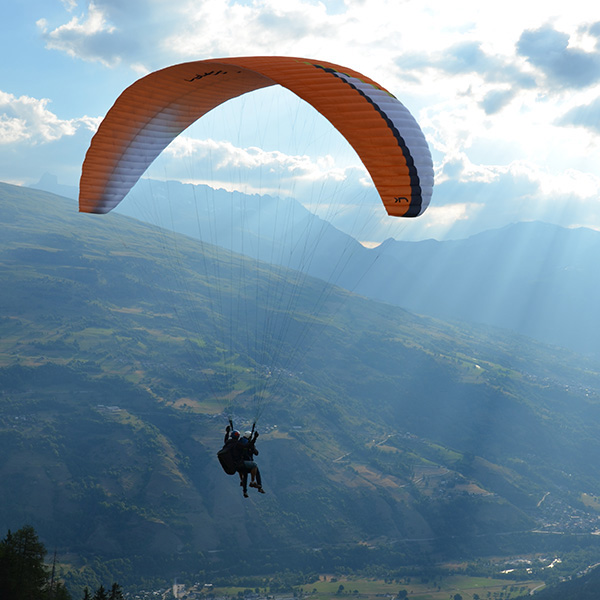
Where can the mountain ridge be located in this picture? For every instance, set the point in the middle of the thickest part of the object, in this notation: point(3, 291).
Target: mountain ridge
point(533, 278)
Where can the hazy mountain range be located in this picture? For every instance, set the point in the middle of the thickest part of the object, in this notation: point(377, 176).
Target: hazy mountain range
point(537, 279)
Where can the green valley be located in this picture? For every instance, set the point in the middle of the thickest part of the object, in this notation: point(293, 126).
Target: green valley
point(389, 441)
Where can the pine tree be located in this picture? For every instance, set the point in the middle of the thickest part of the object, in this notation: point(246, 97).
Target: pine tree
point(116, 593)
point(59, 592)
point(100, 594)
point(23, 575)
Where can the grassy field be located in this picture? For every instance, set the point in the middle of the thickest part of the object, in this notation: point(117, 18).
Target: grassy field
point(440, 589)
point(446, 588)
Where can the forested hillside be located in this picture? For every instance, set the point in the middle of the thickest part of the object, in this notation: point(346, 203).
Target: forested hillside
point(379, 428)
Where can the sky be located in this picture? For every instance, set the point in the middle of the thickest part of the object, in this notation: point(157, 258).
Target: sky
point(507, 95)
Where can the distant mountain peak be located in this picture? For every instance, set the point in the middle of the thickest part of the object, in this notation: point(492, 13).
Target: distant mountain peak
point(49, 183)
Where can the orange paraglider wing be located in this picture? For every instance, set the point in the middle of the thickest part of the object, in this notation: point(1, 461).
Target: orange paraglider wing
point(158, 107)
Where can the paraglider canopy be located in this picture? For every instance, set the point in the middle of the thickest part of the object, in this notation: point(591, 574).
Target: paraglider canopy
point(154, 110)
point(158, 107)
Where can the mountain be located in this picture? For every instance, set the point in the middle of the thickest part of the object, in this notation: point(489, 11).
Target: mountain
point(49, 183)
point(386, 437)
point(536, 279)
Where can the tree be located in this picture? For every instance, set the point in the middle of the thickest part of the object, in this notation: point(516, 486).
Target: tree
point(58, 592)
point(115, 592)
point(100, 594)
point(23, 575)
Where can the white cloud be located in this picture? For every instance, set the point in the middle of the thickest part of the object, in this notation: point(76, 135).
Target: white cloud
point(70, 5)
point(28, 120)
point(89, 36)
point(249, 169)
point(218, 28)
point(570, 183)
point(440, 219)
point(11, 129)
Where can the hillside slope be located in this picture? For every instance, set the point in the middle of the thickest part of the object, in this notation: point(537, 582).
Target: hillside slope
point(536, 279)
point(386, 428)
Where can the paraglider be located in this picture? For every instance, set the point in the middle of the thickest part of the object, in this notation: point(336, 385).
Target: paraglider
point(237, 456)
point(154, 110)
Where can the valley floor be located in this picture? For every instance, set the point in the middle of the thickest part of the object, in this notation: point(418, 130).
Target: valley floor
point(340, 588)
